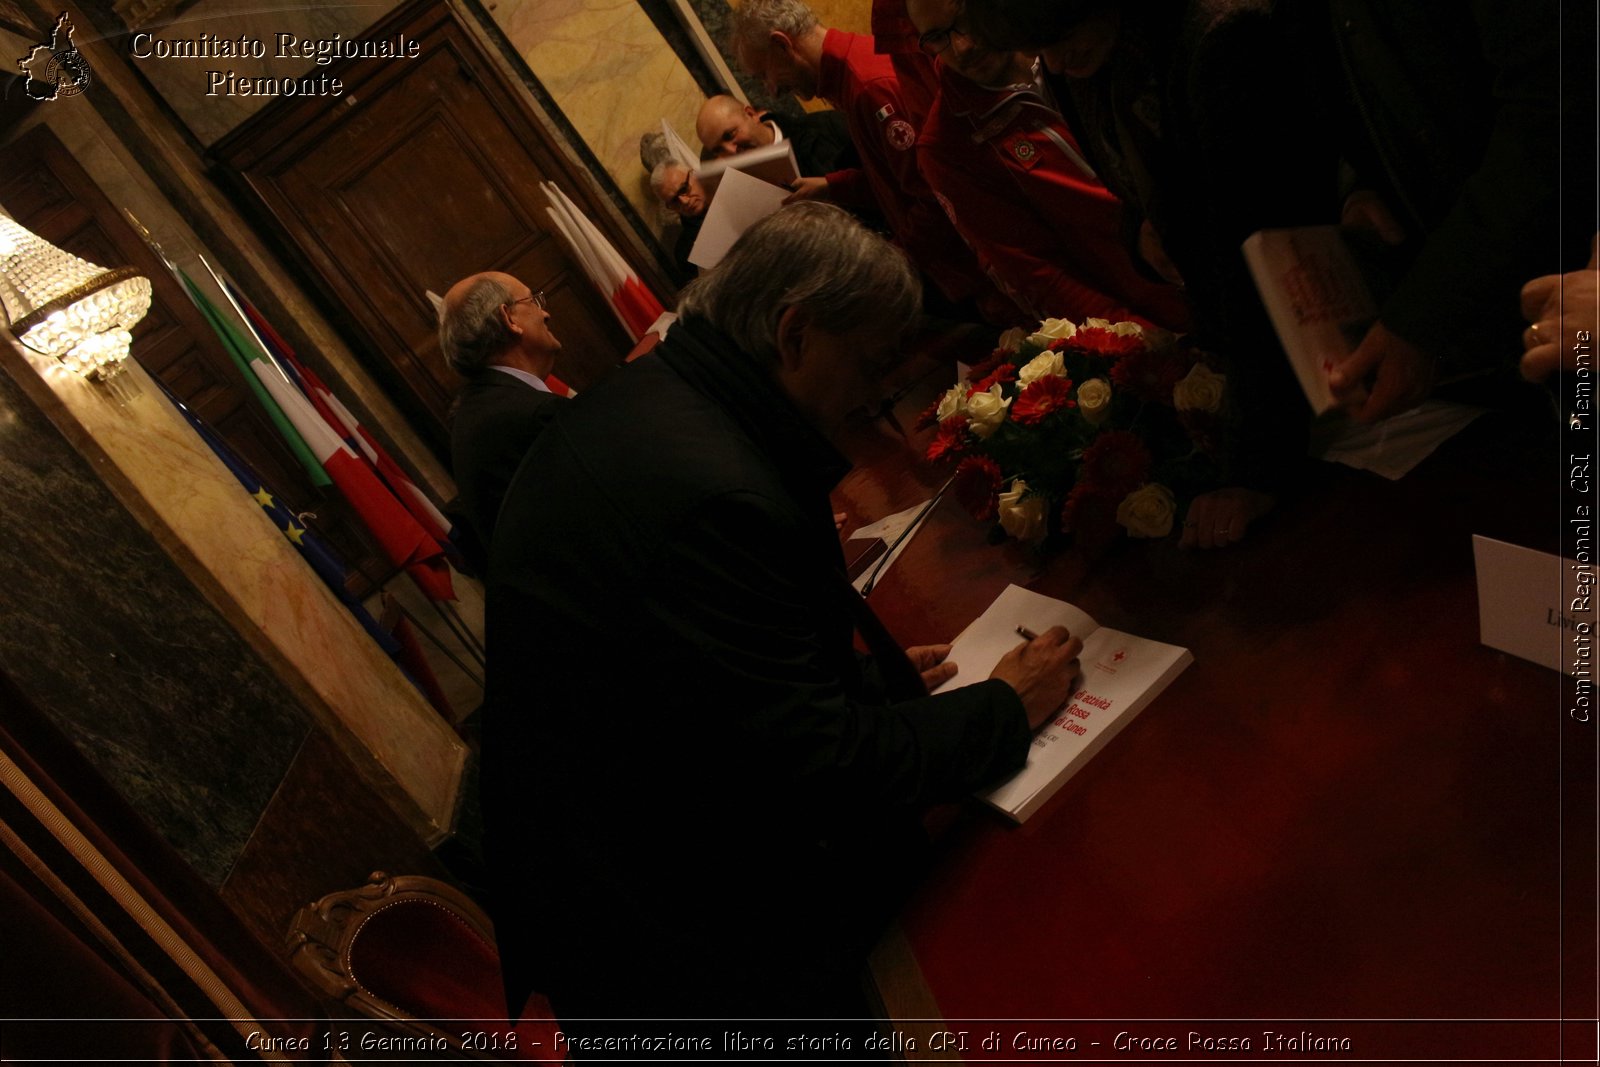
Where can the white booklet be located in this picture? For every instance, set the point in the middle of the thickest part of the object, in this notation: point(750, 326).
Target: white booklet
point(1121, 674)
point(775, 164)
point(744, 201)
point(1317, 298)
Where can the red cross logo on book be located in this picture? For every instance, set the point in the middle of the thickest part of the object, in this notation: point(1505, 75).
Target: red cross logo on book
point(1118, 658)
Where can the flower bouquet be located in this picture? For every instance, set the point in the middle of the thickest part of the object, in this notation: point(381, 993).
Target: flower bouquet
point(1082, 430)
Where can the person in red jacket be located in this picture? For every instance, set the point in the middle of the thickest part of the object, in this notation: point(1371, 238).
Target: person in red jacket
point(782, 43)
point(1009, 172)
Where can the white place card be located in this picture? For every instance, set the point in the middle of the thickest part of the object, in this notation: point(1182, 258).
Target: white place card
point(1534, 605)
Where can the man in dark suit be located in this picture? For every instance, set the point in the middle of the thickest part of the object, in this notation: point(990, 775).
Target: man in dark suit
point(700, 802)
point(495, 332)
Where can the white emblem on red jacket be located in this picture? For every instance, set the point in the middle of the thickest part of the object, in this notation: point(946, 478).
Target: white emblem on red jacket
point(900, 134)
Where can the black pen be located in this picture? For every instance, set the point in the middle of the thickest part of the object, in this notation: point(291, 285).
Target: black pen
point(1026, 634)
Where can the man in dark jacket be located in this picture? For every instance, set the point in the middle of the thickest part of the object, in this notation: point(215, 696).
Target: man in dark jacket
point(700, 802)
point(495, 332)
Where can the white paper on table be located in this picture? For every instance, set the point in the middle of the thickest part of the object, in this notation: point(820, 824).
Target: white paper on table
point(888, 529)
point(741, 202)
point(1393, 446)
point(1531, 604)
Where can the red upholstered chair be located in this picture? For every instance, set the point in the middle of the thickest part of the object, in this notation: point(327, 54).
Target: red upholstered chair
point(420, 956)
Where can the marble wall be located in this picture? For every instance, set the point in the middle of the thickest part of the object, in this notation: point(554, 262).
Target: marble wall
point(106, 636)
point(612, 75)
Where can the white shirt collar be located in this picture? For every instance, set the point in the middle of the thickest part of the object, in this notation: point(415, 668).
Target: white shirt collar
point(521, 376)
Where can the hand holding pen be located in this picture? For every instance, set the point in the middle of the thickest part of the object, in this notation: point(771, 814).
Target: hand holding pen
point(1042, 670)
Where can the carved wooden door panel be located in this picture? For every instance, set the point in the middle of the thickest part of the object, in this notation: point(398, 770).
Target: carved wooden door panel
point(425, 171)
point(45, 189)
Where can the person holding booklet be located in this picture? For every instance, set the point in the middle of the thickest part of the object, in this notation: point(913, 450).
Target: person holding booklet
point(700, 802)
point(679, 190)
point(1452, 122)
point(1193, 112)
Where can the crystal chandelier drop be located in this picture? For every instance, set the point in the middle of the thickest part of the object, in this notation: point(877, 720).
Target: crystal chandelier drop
point(66, 307)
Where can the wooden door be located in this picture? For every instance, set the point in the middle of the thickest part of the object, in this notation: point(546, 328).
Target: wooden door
point(46, 190)
point(425, 171)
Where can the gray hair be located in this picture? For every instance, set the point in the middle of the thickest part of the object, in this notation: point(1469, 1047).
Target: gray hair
point(653, 150)
point(472, 332)
point(659, 171)
point(753, 20)
point(807, 254)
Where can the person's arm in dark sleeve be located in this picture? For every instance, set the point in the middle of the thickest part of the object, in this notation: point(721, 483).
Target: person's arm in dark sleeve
point(732, 586)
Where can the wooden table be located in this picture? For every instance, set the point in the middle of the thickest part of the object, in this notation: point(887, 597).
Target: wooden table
point(1347, 817)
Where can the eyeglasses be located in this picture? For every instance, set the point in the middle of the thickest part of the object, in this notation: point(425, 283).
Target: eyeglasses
point(537, 299)
point(937, 40)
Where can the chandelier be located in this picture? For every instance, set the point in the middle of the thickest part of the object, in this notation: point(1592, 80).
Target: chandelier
point(67, 308)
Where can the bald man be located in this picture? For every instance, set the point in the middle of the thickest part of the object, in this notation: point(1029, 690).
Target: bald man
point(495, 332)
point(821, 140)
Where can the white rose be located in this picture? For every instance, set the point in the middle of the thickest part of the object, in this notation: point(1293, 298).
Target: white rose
point(1052, 330)
point(1097, 324)
point(1022, 516)
point(954, 402)
point(986, 411)
point(1128, 329)
point(1012, 339)
point(1042, 366)
point(1094, 400)
point(1148, 511)
point(1200, 390)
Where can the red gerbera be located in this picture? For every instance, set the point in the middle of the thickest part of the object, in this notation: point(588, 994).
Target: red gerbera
point(1116, 464)
point(977, 486)
point(1090, 516)
point(991, 363)
point(951, 438)
point(1150, 374)
point(930, 415)
point(1041, 397)
point(1005, 372)
point(1099, 341)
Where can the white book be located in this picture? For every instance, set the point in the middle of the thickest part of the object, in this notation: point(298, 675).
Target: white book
point(1121, 675)
point(1317, 298)
point(775, 164)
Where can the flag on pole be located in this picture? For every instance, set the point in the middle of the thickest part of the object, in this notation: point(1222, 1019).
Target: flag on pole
point(312, 548)
point(635, 306)
point(242, 354)
point(401, 537)
point(344, 423)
